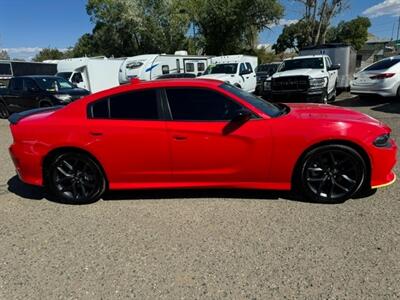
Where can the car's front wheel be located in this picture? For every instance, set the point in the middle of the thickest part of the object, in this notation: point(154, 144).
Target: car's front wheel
point(75, 178)
point(332, 173)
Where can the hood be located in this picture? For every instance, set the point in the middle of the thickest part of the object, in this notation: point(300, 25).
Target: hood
point(330, 112)
point(222, 77)
point(315, 73)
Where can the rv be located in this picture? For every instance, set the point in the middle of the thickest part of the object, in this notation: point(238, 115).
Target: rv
point(238, 70)
point(91, 73)
point(340, 54)
point(11, 68)
point(151, 66)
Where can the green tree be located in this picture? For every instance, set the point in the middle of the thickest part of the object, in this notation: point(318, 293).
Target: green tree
point(131, 27)
point(231, 26)
point(354, 32)
point(47, 54)
point(293, 36)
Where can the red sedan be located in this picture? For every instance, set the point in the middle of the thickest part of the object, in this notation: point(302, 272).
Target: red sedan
point(192, 133)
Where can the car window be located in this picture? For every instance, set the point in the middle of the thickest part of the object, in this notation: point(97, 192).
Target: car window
point(328, 62)
point(242, 68)
point(77, 78)
point(249, 68)
point(383, 64)
point(136, 105)
point(302, 63)
point(189, 67)
point(165, 69)
point(195, 104)
point(17, 84)
point(201, 66)
point(29, 84)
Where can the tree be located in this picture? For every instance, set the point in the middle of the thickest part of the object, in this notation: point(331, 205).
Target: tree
point(354, 32)
point(312, 29)
point(4, 55)
point(131, 27)
point(294, 36)
point(48, 54)
point(231, 26)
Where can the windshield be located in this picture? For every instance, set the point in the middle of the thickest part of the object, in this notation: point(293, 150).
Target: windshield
point(265, 106)
point(65, 75)
point(267, 68)
point(302, 63)
point(54, 84)
point(222, 69)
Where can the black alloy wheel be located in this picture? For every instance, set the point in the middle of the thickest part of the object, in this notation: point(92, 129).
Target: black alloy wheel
point(4, 114)
point(332, 174)
point(75, 178)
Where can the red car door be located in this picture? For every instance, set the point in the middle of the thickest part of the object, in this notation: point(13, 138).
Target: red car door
point(131, 140)
point(206, 147)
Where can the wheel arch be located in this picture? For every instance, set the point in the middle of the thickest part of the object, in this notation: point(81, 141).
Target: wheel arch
point(348, 143)
point(57, 151)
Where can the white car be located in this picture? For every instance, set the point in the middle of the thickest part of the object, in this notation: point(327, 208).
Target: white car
point(310, 78)
point(381, 78)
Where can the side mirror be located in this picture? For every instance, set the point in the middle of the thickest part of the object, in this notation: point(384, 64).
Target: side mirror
point(242, 116)
point(245, 72)
point(334, 67)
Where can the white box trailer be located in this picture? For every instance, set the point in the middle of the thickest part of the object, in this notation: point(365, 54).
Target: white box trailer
point(341, 54)
point(91, 73)
point(151, 66)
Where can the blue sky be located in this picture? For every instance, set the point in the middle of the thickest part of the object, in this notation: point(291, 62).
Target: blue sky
point(26, 26)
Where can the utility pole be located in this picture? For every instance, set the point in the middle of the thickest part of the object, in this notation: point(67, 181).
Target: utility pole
point(398, 29)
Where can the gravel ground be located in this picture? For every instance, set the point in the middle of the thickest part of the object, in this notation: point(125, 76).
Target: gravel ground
point(199, 244)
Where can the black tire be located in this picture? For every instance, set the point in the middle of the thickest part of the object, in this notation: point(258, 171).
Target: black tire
point(324, 97)
point(75, 178)
point(4, 113)
point(333, 98)
point(332, 173)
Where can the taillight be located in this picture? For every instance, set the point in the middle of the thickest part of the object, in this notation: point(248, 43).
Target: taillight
point(383, 76)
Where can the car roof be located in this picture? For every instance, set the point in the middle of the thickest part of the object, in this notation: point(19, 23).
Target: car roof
point(179, 82)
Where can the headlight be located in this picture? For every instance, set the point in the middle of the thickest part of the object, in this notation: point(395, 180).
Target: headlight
point(317, 83)
point(267, 85)
point(382, 140)
point(63, 97)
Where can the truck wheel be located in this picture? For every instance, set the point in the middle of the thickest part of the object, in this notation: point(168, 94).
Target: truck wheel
point(333, 98)
point(324, 98)
point(4, 114)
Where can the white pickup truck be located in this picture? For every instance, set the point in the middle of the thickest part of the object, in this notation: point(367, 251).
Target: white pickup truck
point(304, 78)
point(238, 70)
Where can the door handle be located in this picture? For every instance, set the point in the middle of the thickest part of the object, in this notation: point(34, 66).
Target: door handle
point(179, 138)
point(96, 133)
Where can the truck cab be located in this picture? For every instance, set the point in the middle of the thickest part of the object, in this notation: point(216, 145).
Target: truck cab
point(238, 70)
point(310, 78)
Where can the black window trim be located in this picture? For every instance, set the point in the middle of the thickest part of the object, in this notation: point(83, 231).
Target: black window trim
point(160, 107)
point(168, 114)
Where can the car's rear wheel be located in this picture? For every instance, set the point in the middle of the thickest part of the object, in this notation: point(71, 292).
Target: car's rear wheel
point(4, 114)
point(332, 173)
point(75, 178)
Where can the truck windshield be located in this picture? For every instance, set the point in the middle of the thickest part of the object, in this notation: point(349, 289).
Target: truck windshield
point(54, 84)
point(65, 75)
point(265, 106)
point(302, 63)
point(222, 69)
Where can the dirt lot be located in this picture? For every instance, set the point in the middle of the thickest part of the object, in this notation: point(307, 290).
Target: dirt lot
point(200, 244)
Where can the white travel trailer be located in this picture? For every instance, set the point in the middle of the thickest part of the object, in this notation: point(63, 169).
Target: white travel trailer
point(91, 73)
point(151, 66)
point(238, 70)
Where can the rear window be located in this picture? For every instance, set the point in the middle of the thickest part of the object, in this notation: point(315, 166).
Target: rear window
point(383, 64)
point(137, 105)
